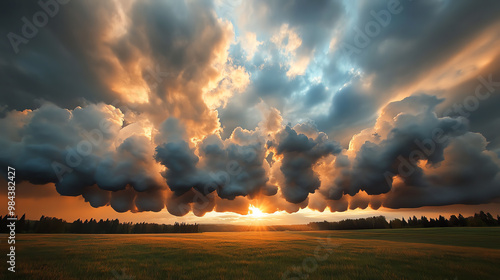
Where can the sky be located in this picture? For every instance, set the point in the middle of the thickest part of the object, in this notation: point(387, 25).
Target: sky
point(276, 112)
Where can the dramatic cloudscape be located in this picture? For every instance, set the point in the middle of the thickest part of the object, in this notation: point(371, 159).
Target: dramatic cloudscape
point(222, 111)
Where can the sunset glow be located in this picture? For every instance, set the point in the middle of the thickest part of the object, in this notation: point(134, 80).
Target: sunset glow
point(255, 212)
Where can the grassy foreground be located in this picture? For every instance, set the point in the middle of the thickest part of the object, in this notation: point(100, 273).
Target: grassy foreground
point(430, 253)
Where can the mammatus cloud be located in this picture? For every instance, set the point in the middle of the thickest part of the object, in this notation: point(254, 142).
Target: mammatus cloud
point(410, 158)
point(418, 159)
point(170, 104)
point(300, 154)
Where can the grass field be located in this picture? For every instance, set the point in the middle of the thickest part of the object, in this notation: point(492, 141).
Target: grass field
point(430, 253)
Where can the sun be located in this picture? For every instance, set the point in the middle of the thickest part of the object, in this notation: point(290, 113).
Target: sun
point(255, 212)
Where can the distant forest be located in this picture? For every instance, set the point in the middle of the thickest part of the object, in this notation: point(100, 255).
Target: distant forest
point(480, 219)
point(55, 225)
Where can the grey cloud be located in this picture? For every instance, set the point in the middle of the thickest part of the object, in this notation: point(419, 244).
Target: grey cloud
point(350, 106)
point(230, 169)
point(70, 149)
point(179, 158)
point(448, 178)
point(300, 153)
point(316, 95)
point(456, 181)
point(57, 60)
point(243, 165)
point(314, 21)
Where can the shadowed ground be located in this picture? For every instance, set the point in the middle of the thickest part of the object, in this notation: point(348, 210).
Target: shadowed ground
point(430, 253)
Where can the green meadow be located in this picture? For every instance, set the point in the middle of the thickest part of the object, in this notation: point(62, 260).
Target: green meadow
point(423, 253)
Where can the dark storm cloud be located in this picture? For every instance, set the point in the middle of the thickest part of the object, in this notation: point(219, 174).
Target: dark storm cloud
point(413, 133)
point(78, 57)
point(314, 21)
point(298, 13)
point(242, 164)
point(456, 181)
point(300, 154)
point(75, 151)
point(272, 84)
point(182, 174)
point(96, 196)
point(482, 112)
point(315, 95)
point(230, 169)
point(376, 163)
point(156, 24)
point(59, 63)
point(349, 106)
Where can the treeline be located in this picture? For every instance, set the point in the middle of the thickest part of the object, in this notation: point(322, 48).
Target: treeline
point(92, 226)
point(480, 219)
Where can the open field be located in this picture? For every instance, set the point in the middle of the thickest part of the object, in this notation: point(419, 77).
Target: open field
point(430, 253)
